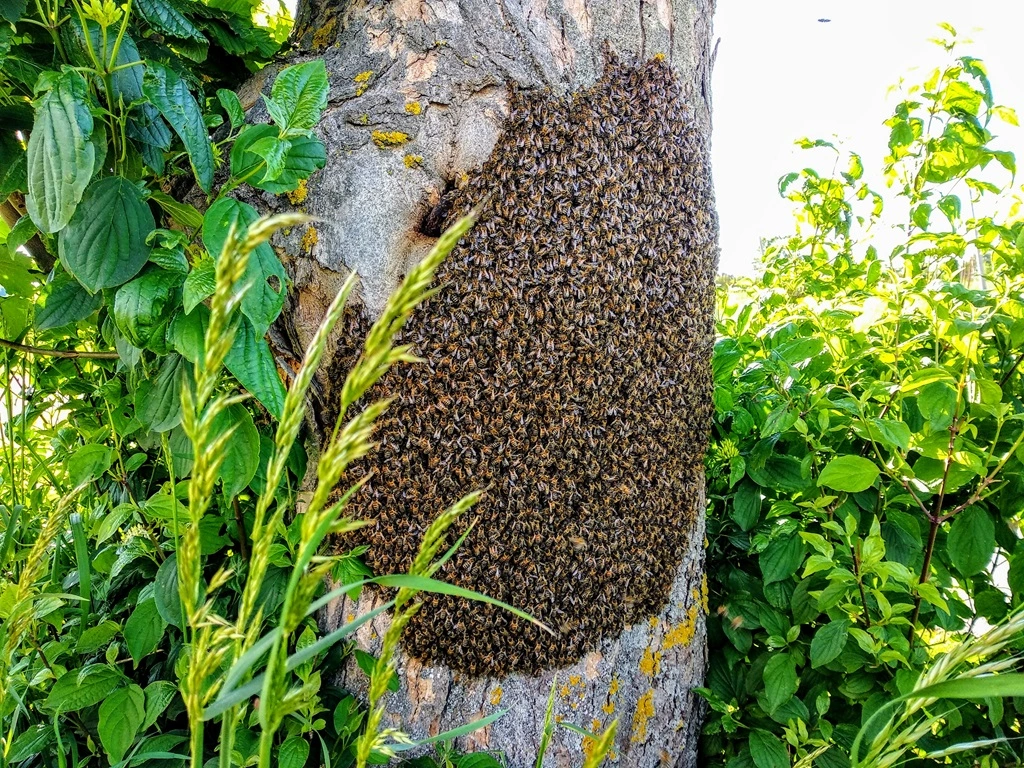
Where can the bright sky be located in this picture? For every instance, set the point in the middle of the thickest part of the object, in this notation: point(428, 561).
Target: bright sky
point(782, 75)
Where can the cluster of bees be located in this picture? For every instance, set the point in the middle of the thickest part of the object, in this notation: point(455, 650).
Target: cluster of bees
point(567, 373)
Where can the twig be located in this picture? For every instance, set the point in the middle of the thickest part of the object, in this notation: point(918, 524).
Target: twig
point(68, 353)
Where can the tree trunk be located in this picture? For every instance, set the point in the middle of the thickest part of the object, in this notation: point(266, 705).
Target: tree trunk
point(431, 104)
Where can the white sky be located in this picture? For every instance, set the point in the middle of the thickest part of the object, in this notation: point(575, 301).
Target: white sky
point(782, 75)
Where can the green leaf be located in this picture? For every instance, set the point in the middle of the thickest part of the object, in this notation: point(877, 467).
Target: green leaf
point(273, 150)
point(781, 558)
point(30, 742)
point(159, 694)
point(89, 462)
point(937, 402)
point(163, 16)
point(142, 307)
point(243, 452)
point(81, 688)
point(61, 156)
point(767, 750)
point(299, 95)
point(104, 245)
point(188, 333)
point(165, 592)
point(780, 680)
point(96, 637)
point(482, 759)
point(183, 213)
point(143, 630)
point(174, 100)
point(293, 753)
point(367, 661)
point(829, 642)
point(305, 155)
point(199, 284)
point(971, 541)
point(232, 106)
point(158, 401)
point(746, 506)
point(263, 301)
point(251, 362)
point(121, 714)
point(852, 474)
point(11, 10)
point(68, 302)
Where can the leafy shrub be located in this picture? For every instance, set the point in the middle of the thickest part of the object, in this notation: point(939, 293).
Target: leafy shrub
point(865, 477)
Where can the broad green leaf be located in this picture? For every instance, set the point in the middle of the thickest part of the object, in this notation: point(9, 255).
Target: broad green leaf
point(165, 592)
point(299, 95)
point(780, 680)
point(67, 302)
point(971, 541)
point(767, 750)
point(829, 642)
point(305, 155)
point(104, 245)
point(293, 753)
point(243, 452)
point(143, 306)
point(159, 694)
point(30, 742)
point(121, 714)
point(937, 402)
point(746, 506)
point(199, 284)
point(162, 15)
point(158, 401)
point(781, 558)
point(263, 301)
point(96, 637)
point(89, 462)
point(273, 150)
point(852, 474)
point(183, 213)
point(232, 106)
point(174, 100)
point(187, 333)
point(61, 156)
point(80, 688)
point(143, 630)
point(252, 363)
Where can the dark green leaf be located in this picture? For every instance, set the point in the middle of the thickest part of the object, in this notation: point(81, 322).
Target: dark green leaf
point(68, 302)
point(829, 642)
point(165, 592)
point(782, 557)
point(142, 307)
point(80, 688)
point(243, 453)
point(143, 630)
point(232, 106)
point(61, 156)
point(780, 680)
point(252, 363)
point(104, 245)
point(158, 401)
point(972, 541)
point(164, 16)
point(746, 506)
point(767, 750)
point(293, 753)
point(174, 100)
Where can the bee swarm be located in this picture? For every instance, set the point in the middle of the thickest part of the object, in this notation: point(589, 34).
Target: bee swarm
point(567, 372)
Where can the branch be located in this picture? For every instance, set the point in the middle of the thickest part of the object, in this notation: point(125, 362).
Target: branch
point(71, 353)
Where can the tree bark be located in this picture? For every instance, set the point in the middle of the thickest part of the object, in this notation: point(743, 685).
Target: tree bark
point(419, 98)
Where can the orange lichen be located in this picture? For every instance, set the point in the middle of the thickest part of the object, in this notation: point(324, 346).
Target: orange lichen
point(642, 716)
point(496, 695)
point(650, 662)
point(298, 195)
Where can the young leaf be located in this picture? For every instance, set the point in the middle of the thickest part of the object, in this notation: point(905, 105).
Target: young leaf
point(852, 474)
point(232, 106)
point(299, 95)
point(61, 156)
point(143, 630)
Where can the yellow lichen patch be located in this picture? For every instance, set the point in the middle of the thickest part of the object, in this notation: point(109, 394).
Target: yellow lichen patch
point(587, 747)
point(704, 592)
point(350, 618)
point(659, 57)
point(644, 712)
point(309, 239)
point(654, 622)
point(564, 691)
point(323, 36)
point(613, 688)
point(608, 707)
point(575, 680)
point(650, 663)
point(362, 81)
point(413, 107)
point(496, 695)
point(682, 634)
point(413, 161)
point(386, 139)
point(298, 195)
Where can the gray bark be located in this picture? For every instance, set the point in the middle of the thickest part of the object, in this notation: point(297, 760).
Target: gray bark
point(455, 59)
